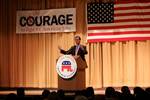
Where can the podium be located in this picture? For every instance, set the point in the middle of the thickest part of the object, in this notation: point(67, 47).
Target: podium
point(77, 82)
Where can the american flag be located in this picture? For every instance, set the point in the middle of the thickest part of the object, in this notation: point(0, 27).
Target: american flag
point(119, 21)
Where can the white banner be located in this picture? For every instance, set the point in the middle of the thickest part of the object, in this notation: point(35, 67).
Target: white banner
point(46, 21)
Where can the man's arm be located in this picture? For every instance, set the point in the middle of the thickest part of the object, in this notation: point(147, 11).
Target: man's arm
point(83, 48)
point(66, 52)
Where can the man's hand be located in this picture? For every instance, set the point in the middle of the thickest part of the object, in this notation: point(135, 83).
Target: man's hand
point(76, 56)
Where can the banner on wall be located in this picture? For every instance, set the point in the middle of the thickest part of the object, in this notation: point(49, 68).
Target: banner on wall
point(46, 21)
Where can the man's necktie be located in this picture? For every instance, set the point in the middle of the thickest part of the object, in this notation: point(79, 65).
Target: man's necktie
point(77, 49)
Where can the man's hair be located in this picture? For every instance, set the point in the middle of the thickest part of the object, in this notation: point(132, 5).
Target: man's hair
point(77, 37)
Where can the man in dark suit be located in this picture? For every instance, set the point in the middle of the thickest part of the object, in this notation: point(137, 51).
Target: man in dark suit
point(76, 50)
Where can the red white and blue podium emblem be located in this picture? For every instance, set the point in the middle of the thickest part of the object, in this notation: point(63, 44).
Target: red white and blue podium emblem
point(66, 66)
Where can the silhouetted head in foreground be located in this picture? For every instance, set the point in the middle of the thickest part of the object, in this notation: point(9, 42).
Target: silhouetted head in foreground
point(147, 89)
point(45, 93)
point(53, 96)
point(90, 93)
point(125, 90)
point(110, 92)
point(11, 96)
point(20, 92)
point(61, 93)
point(140, 94)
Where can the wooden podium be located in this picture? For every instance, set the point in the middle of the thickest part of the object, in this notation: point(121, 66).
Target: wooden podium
point(78, 81)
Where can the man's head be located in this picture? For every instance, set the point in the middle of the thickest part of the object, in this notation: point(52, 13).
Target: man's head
point(77, 39)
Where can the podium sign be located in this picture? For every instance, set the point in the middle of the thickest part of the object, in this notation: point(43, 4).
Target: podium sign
point(72, 75)
point(66, 66)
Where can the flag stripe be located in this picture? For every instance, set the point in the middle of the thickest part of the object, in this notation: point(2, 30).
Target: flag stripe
point(131, 17)
point(133, 14)
point(131, 4)
point(115, 33)
point(120, 26)
point(118, 39)
point(119, 30)
point(120, 36)
point(132, 20)
point(131, 11)
point(132, 7)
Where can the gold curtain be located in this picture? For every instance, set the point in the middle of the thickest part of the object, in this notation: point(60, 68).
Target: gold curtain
point(29, 60)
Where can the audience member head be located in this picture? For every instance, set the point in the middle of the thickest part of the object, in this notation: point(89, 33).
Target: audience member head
point(11, 96)
point(110, 92)
point(61, 93)
point(45, 93)
point(147, 89)
point(90, 93)
point(140, 94)
point(53, 96)
point(125, 90)
point(21, 92)
point(138, 91)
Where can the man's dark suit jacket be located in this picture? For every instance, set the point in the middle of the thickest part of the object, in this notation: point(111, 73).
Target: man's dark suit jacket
point(81, 52)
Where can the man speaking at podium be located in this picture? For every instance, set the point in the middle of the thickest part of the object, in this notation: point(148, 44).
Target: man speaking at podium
point(76, 50)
